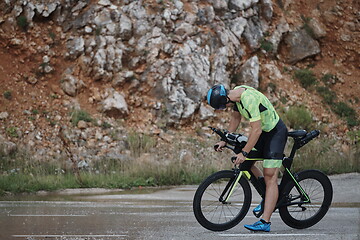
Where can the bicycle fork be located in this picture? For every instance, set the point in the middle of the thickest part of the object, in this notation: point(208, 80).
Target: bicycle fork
point(231, 185)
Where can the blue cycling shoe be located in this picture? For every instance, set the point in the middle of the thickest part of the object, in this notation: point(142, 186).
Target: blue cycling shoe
point(261, 225)
point(258, 208)
point(258, 211)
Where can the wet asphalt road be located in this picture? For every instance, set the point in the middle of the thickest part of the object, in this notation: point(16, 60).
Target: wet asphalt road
point(160, 214)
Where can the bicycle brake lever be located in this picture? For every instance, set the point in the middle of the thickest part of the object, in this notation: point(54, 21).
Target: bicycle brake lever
point(230, 147)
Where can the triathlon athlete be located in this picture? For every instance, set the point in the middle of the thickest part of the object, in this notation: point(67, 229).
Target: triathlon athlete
point(268, 135)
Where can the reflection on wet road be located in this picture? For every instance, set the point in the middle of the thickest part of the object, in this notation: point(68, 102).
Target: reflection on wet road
point(152, 214)
point(124, 219)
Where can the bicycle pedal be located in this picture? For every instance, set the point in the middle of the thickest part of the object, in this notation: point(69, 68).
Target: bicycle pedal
point(258, 214)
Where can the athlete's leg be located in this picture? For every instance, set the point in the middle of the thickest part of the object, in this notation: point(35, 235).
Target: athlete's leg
point(273, 153)
point(256, 171)
point(272, 192)
point(271, 196)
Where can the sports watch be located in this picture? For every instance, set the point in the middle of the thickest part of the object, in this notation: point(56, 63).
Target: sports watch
point(245, 153)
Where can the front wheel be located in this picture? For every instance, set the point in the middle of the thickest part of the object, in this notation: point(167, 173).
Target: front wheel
point(210, 208)
point(319, 190)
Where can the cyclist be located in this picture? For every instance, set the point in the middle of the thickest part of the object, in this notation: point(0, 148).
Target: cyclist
point(268, 134)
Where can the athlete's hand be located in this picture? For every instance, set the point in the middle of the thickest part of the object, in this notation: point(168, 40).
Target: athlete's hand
point(219, 146)
point(240, 158)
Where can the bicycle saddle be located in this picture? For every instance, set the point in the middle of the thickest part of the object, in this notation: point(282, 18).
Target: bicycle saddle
point(297, 133)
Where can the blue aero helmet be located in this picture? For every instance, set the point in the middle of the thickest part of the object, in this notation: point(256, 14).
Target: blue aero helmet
point(217, 97)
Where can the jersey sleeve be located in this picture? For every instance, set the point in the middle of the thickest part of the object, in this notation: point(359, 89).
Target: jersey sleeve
point(235, 108)
point(251, 104)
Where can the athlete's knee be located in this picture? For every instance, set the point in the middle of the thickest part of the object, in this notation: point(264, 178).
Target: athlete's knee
point(271, 175)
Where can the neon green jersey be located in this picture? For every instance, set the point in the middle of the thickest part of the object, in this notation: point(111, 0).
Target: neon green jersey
point(255, 106)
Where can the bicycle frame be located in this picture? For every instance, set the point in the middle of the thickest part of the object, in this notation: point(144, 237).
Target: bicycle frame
point(223, 199)
point(259, 184)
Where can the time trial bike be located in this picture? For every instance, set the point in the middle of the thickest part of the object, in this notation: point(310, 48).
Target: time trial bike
point(223, 199)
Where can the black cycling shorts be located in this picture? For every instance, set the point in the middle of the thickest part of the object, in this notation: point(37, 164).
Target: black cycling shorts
point(271, 144)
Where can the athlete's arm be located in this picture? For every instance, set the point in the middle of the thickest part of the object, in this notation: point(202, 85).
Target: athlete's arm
point(254, 135)
point(253, 138)
point(235, 120)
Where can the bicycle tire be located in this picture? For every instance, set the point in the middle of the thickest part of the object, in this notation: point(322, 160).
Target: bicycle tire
point(214, 215)
point(319, 189)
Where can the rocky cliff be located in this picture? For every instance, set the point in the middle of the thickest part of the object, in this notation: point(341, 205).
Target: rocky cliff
point(146, 65)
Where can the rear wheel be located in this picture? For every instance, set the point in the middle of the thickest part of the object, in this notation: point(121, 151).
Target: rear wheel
point(318, 188)
point(211, 211)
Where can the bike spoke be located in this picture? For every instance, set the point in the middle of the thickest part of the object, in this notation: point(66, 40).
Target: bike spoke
point(214, 208)
point(315, 192)
point(218, 211)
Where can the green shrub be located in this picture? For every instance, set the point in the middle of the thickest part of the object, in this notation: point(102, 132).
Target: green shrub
point(328, 95)
point(354, 136)
point(299, 118)
point(7, 95)
point(306, 26)
point(52, 35)
point(283, 100)
point(352, 121)
point(98, 30)
point(272, 86)
point(35, 111)
point(311, 65)
point(306, 77)
point(12, 131)
point(266, 45)
point(22, 23)
point(329, 79)
point(346, 112)
point(78, 115)
point(343, 110)
point(106, 125)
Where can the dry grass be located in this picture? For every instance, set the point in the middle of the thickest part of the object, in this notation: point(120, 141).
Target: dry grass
point(187, 160)
point(320, 154)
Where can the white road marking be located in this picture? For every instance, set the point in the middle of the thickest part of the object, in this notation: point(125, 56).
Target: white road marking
point(270, 234)
point(45, 215)
point(72, 236)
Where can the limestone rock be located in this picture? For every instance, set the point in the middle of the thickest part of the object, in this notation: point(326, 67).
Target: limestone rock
point(249, 73)
point(318, 28)
point(82, 124)
point(300, 45)
point(115, 104)
point(205, 15)
point(241, 4)
point(254, 32)
point(104, 3)
point(31, 79)
point(237, 26)
point(75, 46)
point(70, 84)
point(277, 35)
point(125, 27)
point(4, 115)
point(219, 5)
point(184, 30)
point(205, 112)
point(267, 9)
